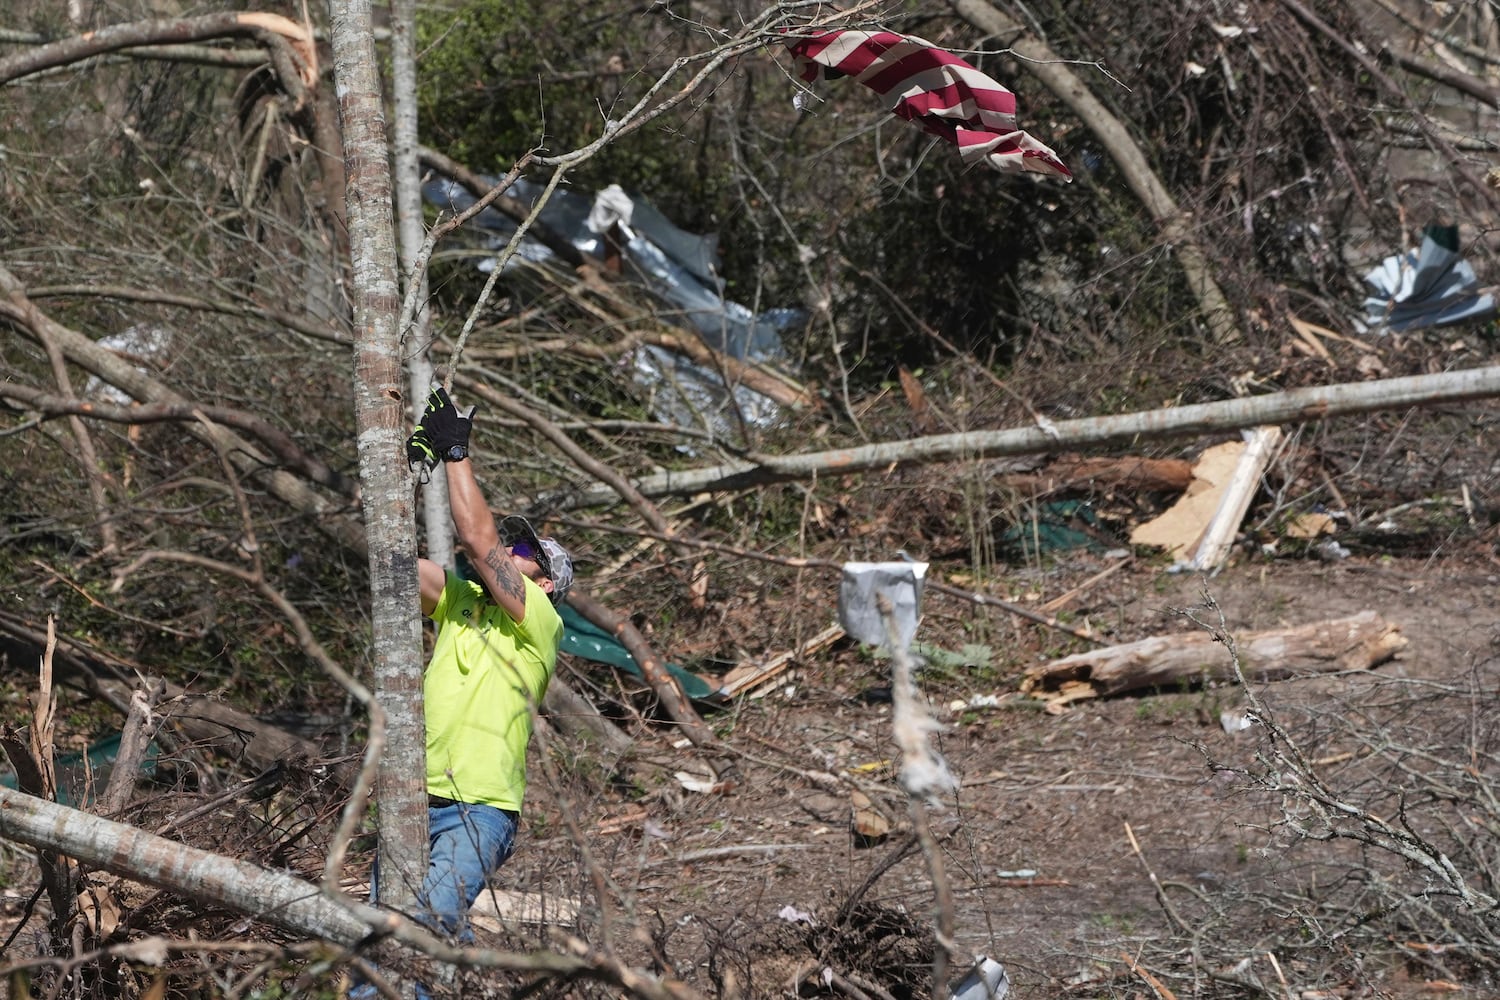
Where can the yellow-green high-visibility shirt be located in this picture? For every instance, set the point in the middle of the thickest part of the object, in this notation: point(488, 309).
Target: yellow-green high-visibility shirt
point(485, 674)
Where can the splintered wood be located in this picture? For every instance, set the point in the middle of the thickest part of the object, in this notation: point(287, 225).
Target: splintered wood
point(748, 676)
point(1199, 530)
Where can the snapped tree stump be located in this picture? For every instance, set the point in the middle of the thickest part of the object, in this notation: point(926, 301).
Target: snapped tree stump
point(1359, 642)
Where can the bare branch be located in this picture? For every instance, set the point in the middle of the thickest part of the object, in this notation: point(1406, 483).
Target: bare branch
point(114, 38)
point(280, 444)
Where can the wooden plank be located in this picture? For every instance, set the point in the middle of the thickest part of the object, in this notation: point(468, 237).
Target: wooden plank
point(1218, 537)
point(496, 909)
point(753, 674)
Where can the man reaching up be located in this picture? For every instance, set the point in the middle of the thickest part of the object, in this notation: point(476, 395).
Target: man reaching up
point(497, 641)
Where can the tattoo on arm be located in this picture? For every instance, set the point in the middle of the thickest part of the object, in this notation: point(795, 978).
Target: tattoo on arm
point(507, 577)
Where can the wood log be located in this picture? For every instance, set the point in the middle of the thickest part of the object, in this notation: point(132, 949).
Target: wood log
point(135, 741)
point(673, 700)
point(282, 899)
point(1312, 403)
point(1134, 473)
point(578, 718)
point(653, 668)
point(1358, 642)
point(206, 721)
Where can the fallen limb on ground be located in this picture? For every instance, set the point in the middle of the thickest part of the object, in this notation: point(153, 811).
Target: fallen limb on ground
point(1359, 642)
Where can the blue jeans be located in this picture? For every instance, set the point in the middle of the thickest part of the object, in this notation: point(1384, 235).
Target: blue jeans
point(466, 845)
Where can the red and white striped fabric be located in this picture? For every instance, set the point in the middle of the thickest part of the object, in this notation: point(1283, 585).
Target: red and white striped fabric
point(934, 89)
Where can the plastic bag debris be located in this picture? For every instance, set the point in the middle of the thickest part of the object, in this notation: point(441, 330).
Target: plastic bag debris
point(678, 267)
point(1424, 288)
point(792, 915)
point(987, 980)
point(145, 346)
point(1236, 720)
point(862, 583)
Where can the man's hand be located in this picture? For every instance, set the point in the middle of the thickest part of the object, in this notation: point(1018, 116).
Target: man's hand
point(447, 429)
point(421, 456)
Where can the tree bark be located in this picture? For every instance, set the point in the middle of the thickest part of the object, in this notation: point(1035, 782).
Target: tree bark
point(672, 699)
point(225, 729)
point(412, 232)
point(578, 718)
point(1132, 473)
point(381, 416)
point(286, 901)
point(272, 28)
point(135, 740)
point(275, 897)
point(1176, 230)
point(1359, 642)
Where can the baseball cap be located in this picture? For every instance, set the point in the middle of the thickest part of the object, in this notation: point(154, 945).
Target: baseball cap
point(554, 560)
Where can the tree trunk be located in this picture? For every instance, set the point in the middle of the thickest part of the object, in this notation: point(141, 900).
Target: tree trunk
point(381, 417)
point(579, 719)
point(1295, 406)
point(1359, 642)
point(412, 232)
point(272, 30)
point(212, 724)
point(652, 668)
point(286, 901)
point(135, 740)
point(210, 879)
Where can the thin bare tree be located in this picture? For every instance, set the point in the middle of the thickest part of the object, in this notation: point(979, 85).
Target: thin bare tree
point(381, 414)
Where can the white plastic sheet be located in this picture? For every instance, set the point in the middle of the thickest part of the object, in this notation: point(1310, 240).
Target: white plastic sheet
point(863, 582)
point(988, 980)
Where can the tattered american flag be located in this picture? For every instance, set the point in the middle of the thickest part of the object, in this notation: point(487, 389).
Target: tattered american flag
point(933, 88)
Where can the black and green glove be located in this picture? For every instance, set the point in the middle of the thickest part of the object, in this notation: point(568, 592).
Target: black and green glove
point(421, 456)
point(447, 429)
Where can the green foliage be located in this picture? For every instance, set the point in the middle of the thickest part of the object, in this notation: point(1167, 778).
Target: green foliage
point(972, 660)
point(500, 77)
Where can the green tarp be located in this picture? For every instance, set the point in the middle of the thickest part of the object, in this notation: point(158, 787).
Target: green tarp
point(584, 639)
point(78, 772)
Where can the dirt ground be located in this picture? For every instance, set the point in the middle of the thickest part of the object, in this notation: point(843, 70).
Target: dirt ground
point(1066, 826)
point(1063, 824)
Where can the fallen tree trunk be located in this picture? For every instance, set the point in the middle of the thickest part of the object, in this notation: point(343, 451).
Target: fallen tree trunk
point(578, 718)
point(1133, 472)
point(1294, 406)
point(673, 700)
point(1359, 642)
point(273, 896)
point(207, 722)
point(278, 898)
